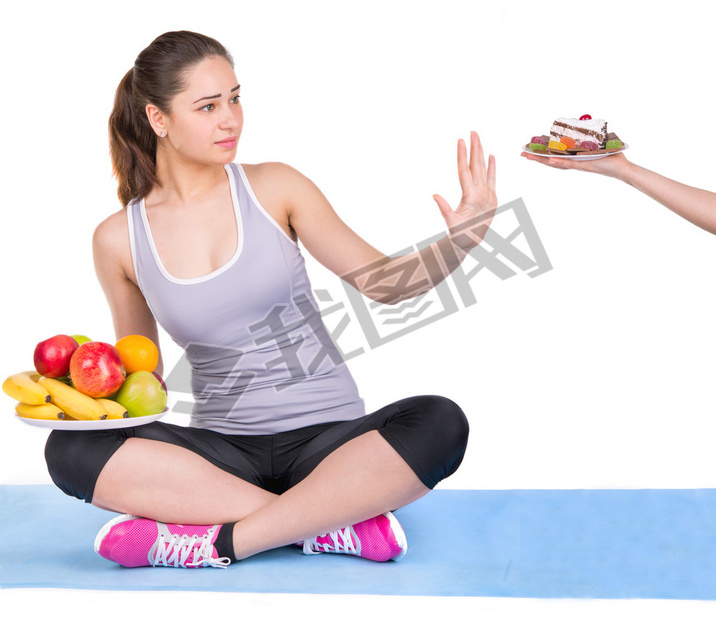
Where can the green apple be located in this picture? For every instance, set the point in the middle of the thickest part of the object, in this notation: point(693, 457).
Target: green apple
point(142, 394)
point(80, 339)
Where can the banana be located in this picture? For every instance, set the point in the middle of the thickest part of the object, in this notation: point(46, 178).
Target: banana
point(23, 387)
point(72, 402)
point(39, 411)
point(113, 409)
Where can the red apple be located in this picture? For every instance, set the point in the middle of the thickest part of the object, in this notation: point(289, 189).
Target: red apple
point(52, 356)
point(142, 394)
point(164, 384)
point(96, 369)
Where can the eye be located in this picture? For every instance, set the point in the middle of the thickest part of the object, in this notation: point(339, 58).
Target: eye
point(235, 99)
point(208, 107)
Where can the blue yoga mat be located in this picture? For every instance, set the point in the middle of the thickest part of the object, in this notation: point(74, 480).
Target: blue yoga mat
point(518, 543)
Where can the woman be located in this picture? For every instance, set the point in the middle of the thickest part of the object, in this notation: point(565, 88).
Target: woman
point(280, 449)
point(694, 204)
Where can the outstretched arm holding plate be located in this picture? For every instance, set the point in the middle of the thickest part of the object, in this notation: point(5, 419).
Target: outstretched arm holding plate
point(694, 204)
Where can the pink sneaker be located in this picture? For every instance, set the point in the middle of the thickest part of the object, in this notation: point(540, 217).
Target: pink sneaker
point(379, 539)
point(132, 541)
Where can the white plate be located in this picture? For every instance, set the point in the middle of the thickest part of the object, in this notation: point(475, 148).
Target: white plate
point(595, 156)
point(107, 424)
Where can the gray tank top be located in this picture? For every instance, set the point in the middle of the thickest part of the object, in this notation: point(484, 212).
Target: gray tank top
point(261, 358)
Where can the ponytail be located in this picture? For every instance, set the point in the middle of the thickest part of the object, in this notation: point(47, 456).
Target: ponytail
point(157, 76)
point(132, 145)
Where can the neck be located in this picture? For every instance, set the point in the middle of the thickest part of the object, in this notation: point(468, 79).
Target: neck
point(183, 181)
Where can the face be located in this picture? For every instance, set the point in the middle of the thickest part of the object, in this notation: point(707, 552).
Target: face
point(206, 118)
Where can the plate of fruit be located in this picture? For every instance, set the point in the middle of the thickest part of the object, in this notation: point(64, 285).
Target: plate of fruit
point(81, 384)
point(577, 139)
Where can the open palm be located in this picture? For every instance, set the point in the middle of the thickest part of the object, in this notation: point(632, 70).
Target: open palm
point(479, 199)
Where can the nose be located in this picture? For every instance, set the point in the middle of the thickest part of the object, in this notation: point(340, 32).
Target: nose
point(232, 117)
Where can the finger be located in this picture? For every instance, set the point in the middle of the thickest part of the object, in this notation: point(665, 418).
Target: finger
point(444, 206)
point(477, 158)
point(492, 173)
point(531, 156)
point(551, 162)
point(463, 170)
point(535, 158)
point(560, 163)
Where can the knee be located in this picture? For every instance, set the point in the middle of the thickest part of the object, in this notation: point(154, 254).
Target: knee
point(448, 421)
point(451, 433)
point(74, 460)
point(453, 423)
point(441, 433)
point(57, 448)
point(61, 457)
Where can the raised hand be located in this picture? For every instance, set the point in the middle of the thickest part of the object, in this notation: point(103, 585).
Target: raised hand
point(479, 200)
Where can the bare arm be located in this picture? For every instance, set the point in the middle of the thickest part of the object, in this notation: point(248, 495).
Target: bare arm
point(113, 265)
point(693, 204)
point(346, 254)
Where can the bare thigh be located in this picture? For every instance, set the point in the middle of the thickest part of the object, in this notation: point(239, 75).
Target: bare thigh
point(169, 483)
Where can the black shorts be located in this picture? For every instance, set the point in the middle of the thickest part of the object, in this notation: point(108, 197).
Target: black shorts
point(429, 432)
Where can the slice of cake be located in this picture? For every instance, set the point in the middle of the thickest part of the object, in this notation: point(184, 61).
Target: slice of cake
point(587, 130)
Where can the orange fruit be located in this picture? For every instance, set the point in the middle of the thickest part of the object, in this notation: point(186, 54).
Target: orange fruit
point(138, 353)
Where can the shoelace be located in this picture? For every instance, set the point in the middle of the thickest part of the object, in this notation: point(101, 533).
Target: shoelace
point(177, 551)
point(342, 543)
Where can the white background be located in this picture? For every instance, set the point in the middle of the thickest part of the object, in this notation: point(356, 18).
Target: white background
point(598, 374)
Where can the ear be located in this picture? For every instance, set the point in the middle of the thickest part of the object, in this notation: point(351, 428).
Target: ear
point(157, 119)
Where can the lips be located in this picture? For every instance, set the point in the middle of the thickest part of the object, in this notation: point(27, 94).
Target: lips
point(227, 143)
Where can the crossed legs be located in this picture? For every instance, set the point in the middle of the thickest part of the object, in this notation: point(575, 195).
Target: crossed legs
point(334, 477)
point(361, 479)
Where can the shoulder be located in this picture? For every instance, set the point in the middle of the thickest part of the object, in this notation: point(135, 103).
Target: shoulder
point(110, 243)
point(275, 170)
point(278, 180)
point(283, 191)
point(112, 230)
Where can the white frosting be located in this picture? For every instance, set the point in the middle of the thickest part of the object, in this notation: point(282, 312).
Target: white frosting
point(580, 128)
point(595, 125)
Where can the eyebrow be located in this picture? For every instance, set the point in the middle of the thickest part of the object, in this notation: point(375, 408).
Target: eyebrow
point(236, 88)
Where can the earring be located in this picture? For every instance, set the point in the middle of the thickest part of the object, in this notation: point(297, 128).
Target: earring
point(162, 135)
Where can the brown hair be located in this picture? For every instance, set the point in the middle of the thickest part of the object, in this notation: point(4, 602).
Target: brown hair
point(159, 73)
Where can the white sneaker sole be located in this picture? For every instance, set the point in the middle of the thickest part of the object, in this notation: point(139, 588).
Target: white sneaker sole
point(399, 535)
